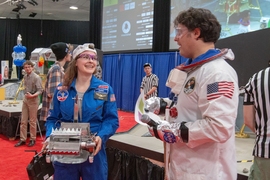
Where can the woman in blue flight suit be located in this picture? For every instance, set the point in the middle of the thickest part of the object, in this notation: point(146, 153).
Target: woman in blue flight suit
point(98, 108)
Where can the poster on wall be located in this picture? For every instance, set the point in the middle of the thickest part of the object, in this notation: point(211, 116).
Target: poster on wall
point(4, 70)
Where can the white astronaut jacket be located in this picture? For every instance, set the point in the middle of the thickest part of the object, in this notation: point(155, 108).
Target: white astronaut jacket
point(208, 103)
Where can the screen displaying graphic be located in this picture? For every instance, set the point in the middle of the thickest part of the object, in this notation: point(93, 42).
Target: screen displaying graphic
point(127, 25)
point(235, 16)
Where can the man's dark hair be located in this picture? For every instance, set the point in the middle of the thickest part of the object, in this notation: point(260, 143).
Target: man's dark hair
point(202, 19)
point(245, 13)
point(147, 65)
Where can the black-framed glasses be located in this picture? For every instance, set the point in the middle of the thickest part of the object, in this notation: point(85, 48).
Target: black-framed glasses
point(88, 57)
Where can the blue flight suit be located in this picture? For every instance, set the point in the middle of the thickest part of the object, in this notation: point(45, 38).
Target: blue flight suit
point(103, 118)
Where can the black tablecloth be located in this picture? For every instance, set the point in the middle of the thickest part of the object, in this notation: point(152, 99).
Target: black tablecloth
point(8, 126)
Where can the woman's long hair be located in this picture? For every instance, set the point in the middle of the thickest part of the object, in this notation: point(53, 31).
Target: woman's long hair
point(71, 73)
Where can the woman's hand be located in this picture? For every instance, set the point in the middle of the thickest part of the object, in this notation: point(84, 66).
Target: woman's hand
point(98, 142)
point(44, 146)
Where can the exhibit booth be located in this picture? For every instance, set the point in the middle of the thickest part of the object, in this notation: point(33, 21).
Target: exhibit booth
point(12, 92)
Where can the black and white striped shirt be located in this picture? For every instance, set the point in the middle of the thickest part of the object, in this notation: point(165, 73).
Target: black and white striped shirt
point(148, 82)
point(257, 93)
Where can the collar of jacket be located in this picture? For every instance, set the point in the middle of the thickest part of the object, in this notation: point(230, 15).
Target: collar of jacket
point(191, 67)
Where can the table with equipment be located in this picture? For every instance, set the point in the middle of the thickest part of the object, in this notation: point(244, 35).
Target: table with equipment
point(10, 113)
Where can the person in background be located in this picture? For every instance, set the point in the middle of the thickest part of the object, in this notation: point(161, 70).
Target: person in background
point(1, 80)
point(55, 75)
point(244, 22)
point(98, 108)
point(98, 73)
point(200, 135)
point(149, 83)
point(6, 72)
point(257, 117)
point(32, 90)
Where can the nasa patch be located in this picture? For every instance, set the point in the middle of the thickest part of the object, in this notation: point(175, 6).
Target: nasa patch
point(189, 86)
point(169, 137)
point(62, 95)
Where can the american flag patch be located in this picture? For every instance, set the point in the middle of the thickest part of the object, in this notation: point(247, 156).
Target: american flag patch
point(218, 89)
point(112, 98)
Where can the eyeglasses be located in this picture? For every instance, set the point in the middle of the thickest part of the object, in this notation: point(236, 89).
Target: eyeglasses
point(88, 57)
point(179, 31)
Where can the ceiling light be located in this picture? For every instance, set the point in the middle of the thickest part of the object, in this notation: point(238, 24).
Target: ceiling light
point(73, 7)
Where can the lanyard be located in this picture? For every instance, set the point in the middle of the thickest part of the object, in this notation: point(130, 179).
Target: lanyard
point(77, 109)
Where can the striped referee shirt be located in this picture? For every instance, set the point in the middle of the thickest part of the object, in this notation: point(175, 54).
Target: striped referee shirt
point(257, 93)
point(148, 82)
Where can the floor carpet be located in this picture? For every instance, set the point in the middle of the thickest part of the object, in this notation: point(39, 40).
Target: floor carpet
point(126, 121)
point(15, 160)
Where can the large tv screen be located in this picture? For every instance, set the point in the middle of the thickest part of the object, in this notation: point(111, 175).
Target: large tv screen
point(235, 16)
point(127, 25)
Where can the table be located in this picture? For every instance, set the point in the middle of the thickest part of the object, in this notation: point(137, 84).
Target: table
point(9, 116)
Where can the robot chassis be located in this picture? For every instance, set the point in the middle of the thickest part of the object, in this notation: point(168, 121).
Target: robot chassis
point(71, 139)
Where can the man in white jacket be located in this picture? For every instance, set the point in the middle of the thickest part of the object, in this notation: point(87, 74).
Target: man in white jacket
point(200, 140)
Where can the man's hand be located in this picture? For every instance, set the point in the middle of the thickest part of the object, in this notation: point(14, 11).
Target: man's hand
point(166, 132)
point(152, 105)
point(146, 96)
point(49, 96)
point(28, 95)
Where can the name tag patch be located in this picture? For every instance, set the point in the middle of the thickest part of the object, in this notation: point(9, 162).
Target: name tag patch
point(101, 92)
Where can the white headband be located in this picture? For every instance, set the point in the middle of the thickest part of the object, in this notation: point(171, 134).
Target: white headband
point(85, 47)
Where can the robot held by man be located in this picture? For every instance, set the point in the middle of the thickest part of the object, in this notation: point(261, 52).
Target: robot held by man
point(164, 127)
